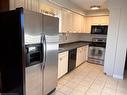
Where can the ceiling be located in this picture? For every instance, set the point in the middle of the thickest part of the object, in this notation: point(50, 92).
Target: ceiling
point(85, 4)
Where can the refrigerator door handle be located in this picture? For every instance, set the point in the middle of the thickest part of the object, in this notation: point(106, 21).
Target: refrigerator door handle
point(45, 50)
point(43, 39)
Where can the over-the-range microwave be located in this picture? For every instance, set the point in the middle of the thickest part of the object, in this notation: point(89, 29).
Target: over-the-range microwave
point(99, 29)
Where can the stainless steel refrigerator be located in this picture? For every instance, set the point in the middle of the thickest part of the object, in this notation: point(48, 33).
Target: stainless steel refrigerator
point(31, 48)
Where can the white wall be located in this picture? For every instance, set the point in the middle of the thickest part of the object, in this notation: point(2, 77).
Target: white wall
point(116, 39)
point(122, 43)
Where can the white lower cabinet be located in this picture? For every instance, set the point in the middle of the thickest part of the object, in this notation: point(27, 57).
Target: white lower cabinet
point(62, 63)
point(78, 57)
point(82, 55)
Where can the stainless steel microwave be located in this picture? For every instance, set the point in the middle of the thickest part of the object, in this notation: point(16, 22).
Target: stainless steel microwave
point(99, 29)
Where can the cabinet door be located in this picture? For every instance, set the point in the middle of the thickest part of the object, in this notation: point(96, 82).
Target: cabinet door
point(18, 3)
point(62, 64)
point(76, 23)
point(35, 5)
point(83, 24)
point(32, 5)
point(86, 52)
point(88, 24)
point(63, 21)
point(66, 21)
point(96, 20)
point(79, 23)
point(104, 20)
point(59, 66)
point(100, 20)
point(78, 57)
point(82, 54)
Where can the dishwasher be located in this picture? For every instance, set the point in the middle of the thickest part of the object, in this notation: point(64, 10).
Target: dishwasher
point(72, 60)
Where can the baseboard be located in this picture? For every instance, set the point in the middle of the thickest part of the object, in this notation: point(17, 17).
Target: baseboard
point(118, 77)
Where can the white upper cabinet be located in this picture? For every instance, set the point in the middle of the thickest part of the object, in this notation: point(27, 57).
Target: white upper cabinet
point(32, 5)
point(69, 21)
point(96, 20)
point(88, 25)
point(76, 23)
point(72, 22)
point(66, 21)
point(83, 24)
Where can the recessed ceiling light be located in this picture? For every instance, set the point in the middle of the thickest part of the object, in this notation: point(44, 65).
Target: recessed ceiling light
point(94, 7)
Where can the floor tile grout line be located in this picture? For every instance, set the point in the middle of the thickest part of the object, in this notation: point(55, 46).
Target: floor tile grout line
point(87, 66)
point(96, 74)
point(86, 74)
point(103, 86)
point(116, 87)
point(69, 87)
point(90, 85)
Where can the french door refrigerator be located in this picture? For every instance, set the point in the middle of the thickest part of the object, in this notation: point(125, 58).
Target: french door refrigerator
point(29, 52)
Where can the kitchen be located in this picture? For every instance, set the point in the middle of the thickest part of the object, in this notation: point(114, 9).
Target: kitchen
point(75, 39)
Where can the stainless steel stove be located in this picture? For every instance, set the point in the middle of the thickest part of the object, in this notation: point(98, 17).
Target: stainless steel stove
point(97, 51)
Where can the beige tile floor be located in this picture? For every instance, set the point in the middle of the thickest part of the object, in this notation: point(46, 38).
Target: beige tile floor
point(88, 79)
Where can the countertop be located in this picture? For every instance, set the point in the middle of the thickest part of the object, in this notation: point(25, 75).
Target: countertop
point(73, 45)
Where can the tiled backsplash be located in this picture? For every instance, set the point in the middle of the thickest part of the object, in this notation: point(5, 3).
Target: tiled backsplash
point(72, 37)
point(89, 37)
point(68, 37)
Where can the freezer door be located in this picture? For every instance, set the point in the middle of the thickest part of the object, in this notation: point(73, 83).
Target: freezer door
point(51, 28)
point(33, 36)
point(32, 27)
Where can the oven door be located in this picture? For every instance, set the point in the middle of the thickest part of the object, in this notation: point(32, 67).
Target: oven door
point(96, 52)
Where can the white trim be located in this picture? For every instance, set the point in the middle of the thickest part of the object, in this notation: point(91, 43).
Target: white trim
point(118, 77)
